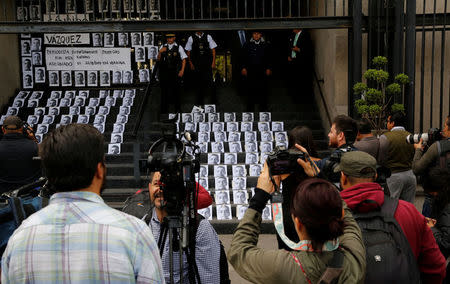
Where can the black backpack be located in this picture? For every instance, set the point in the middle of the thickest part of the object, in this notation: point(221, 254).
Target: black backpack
point(389, 256)
point(444, 154)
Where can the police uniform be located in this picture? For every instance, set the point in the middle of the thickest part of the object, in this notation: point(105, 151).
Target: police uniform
point(170, 64)
point(256, 59)
point(200, 49)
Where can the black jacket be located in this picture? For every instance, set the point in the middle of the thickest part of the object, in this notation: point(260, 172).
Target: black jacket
point(441, 231)
point(17, 166)
point(305, 56)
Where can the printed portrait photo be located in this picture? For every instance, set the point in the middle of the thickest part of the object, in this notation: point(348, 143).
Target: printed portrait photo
point(239, 171)
point(114, 149)
point(222, 197)
point(247, 117)
point(230, 158)
point(229, 117)
point(240, 197)
point(224, 212)
point(53, 78)
point(213, 159)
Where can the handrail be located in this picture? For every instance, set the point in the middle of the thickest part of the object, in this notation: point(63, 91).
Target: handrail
point(322, 97)
point(141, 110)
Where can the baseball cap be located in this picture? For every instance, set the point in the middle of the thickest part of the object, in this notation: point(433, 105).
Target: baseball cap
point(356, 163)
point(13, 122)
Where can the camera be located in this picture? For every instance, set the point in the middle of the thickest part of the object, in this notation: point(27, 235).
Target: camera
point(332, 162)
point(433, 135)
point(284, 161)
point(169, 157)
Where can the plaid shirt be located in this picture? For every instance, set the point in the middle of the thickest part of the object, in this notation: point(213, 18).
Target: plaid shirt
point(77, 238)
point(207, 254)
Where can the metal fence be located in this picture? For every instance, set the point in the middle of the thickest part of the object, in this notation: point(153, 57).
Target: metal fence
point(121, 10)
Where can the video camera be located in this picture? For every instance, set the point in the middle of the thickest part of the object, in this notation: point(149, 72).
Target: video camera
point(433, 135)
point(284, 161)
point(169, 157)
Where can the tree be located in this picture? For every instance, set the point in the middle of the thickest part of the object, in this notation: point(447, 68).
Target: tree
point(375, 100)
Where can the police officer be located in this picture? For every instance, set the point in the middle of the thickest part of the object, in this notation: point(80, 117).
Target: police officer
point(201, 51)
point(172, 62)
point(300, 64)
point(256, 67)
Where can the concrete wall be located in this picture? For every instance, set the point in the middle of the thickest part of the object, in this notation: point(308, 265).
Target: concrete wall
point(9, 59)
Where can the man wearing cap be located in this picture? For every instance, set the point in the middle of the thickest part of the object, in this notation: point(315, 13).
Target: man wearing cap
point(201, 51)
point(256, 67)
point(172, 61)
point(17, 166)
point(358, 174)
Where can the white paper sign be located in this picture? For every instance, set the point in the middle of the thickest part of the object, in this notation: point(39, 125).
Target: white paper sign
point(67, 39)
point(88, 58)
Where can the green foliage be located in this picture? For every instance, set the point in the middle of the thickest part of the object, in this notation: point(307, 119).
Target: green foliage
point(373, 102)
point(359, 88)
point(402, 79)
point(398, 107)
point(393, 89)
point(379, 61)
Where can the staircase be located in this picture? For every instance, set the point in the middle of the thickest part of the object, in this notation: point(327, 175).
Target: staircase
point(123, 176)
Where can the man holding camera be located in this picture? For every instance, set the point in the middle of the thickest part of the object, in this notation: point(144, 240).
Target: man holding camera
point(77, 238)
point(207, 247)
point(17, 150)
point(341, 136)
point(437, 155)
point(397, 156)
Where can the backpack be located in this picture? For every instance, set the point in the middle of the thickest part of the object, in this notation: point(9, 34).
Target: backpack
point(389, 256)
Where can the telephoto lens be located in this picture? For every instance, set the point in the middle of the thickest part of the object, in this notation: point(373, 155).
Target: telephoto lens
point(415, 138)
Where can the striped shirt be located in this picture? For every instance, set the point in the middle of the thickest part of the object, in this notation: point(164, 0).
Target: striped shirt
point(77, 238)
point(207, 254)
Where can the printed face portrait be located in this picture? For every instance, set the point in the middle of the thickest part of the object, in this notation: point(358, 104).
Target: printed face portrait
point(213, 159)
point(235, 147)
point(18, 103)
point(117, 77)
point(255, 170)
point(116, 138)
point(230, 158)
point(140, 54)
point(217, 126)
point(118, 128)
point(42, 129)
point(203, 137)
point(204, 127)
point(26, 49)
point(229, 117)
point(53, 111)
point(247, 117)
point(266, 214)
point(280, 137)
point(219, 136)
point(99, 119)
point(206, 212)
point(241, 211)
point(186, 117)
point(222, 197)
point(12, 111)
point(199, 117)
point(144, 76)
point(203, 171)
point(223, 212)
point(220, 171)
point(92, 78)
point(232, 126)
point(148, 38)
point(114, 149)
point(130, 93)
point(240, 197)
point(109, 40)
point(239, 183)
point(250, 147)
point(66, 119)
point(35, 44)
point(28, 81)
point(104, 78)
point(234, 137)
point(246, 126)
point(124, 110)
point(26, 64)
point(251, 158)
point(123, 39)
point(263, 126)
point(221, 183)
point(264, 116)
point(79, 78)
point(89, 111)
point(39, 75)
point(210, 108)
point(213, 117)
point(266, 147)
point(53, 78)
point(203, 147)
point(217, 147)
point(277, 126)
point(122, 119)
point(110, 101)
point(127, 101)
point(266, 136)
point(74, 110)
point(32, 119)
point(203, 182)
point(48, 119)
point(100, 127)
point(84, 119)
point(152, 52)
point(66, 78)
point(97, 39)
point(135, 39)
point(128, 77)
point(238, 171)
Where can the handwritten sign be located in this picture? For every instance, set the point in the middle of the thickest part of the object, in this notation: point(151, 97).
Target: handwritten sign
point(87, 58)
point(67, 39)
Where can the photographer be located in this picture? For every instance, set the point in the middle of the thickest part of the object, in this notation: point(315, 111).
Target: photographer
point(320, 217)
point(207, 246)
point(341, 136)
point(17, 149)
point(434, 157)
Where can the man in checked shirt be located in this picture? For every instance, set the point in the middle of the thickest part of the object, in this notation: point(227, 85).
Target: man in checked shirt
point(77, 238)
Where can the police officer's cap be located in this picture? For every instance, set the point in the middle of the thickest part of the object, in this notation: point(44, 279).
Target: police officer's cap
point(170, 34)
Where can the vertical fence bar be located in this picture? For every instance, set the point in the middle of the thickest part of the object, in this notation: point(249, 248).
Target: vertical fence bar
point(228, 10)
point(281, 8)
point(237, 9)
point(335, 8)
point(210, 9)
point(422, 68)
point(307, 8)
point(272, 7)
point(219, 5)
point(410, 62)
point(326, 7)
point(357, 48)
point(298, 8)
point(441, 93)
point(343, 7)
point(398, 41)
point(254, 9)
point(245, 9)
point(433, 36)
point(317, 8)
point(290, 8)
